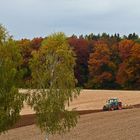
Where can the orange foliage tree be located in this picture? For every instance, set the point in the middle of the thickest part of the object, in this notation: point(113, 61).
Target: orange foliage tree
point(129, 70)
point(101, 68)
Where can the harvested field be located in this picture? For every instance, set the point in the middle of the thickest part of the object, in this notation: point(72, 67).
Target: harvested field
point(116, 125)
point(95, 99)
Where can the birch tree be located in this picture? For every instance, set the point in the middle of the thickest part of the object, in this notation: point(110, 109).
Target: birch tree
point(53, 75)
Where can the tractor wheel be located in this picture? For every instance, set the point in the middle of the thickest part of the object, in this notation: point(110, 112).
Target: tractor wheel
point(111, 109)
point(119, 107)
point(104, 108)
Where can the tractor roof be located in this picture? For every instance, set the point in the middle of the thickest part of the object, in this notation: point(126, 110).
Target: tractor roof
point(113, 99)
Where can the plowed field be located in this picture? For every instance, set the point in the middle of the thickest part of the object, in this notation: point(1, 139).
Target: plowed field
point(116, 125)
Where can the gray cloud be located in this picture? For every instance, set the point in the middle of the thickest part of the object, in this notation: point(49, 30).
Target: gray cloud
point(30, 18)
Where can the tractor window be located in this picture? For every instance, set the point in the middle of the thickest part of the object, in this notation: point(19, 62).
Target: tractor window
point(112, 100)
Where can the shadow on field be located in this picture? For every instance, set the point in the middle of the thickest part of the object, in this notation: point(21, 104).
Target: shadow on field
point(29, 119)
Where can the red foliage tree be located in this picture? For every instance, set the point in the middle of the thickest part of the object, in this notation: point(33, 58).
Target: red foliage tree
point(81, 48)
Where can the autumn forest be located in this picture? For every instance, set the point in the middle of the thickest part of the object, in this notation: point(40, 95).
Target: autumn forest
point(103, 61)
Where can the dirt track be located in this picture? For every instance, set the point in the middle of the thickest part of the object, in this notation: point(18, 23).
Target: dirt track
point(116, 125)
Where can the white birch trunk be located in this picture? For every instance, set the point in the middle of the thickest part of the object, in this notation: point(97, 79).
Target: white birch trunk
point(47, 136)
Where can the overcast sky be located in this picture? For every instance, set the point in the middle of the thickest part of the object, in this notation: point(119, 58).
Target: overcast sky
point(35, 18)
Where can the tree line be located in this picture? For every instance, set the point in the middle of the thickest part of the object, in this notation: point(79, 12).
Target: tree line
point(103, 61)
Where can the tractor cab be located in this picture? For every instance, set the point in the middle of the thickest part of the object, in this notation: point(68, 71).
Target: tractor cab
point(112, 101)
point(112, 104)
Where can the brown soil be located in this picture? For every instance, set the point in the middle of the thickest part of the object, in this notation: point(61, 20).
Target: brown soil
point(116, 125)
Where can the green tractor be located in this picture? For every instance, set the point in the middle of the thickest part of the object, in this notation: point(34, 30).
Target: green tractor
point(112, 104)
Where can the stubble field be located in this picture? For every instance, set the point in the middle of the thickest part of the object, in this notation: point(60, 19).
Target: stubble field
point(95, 99)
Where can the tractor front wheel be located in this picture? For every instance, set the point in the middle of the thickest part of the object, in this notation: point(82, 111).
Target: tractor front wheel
point(111, 109)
